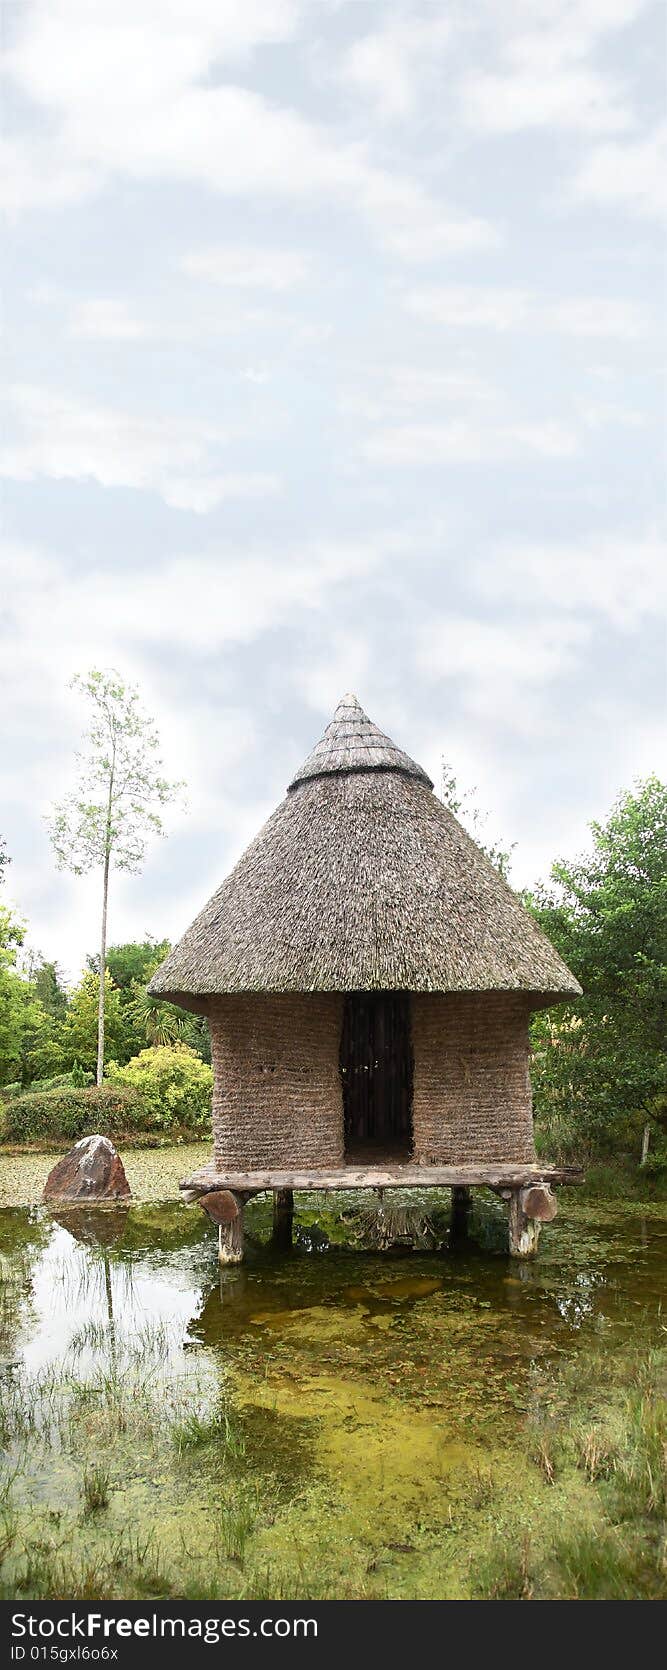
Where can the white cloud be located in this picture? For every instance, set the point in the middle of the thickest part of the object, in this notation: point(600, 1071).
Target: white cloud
point(623, 580)
point(416, 227)
point(106, 319)
point(38, 174)
point(376, 393)
point(61, 438)
point(505, 670)
point(137, 95)
point(542, 77)
point(489, 307)
point(540, 95)
point(321, 683)
point(630, 175)
point(248, 267)
point(389, 67)
point(527, 652)
point(194, 603)
point(466, 442)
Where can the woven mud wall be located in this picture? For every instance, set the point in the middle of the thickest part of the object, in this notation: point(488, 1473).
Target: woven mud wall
point(277, 1097)
point(472, 1095)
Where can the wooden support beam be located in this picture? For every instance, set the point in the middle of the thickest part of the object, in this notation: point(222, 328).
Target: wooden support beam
point(225, 1209)
point(230, 1240)
point(283, 1215)
point(460, 1215)
point(528, 1210)
point(408, 1176)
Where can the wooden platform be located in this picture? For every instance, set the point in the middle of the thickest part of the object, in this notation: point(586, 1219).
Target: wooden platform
point(391, 1176)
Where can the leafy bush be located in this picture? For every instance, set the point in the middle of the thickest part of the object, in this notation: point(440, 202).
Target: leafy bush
point(76, 1079)
point(71, 1113)
point(7, 1091)
point(174, 1086)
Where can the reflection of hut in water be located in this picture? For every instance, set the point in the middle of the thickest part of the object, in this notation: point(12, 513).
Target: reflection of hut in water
point(368, 978)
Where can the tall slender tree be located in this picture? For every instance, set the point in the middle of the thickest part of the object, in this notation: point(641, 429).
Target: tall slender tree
point(106, 821)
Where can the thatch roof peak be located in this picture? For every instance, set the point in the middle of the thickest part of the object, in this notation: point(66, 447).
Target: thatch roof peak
point(351, 742)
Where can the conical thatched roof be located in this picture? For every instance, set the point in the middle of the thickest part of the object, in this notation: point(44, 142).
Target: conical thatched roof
point(353, 743)
point(362, 880)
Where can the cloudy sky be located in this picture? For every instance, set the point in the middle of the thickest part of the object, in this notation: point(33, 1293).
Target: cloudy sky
point(332, 345)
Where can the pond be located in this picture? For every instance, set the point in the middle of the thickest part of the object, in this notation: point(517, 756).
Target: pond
point(331, 1421)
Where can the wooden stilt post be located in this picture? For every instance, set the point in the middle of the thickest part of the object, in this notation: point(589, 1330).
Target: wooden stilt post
point(226, 1210)
point(460, 1215)
point(230, 1239)
point(528, 1210)
point(283, 1215)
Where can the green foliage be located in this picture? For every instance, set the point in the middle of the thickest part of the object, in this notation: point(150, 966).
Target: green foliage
point(157, 1022)
point(175, 1086)
point(599, 1063)
point(48, 987)
point(147, 1020)
point(31, 1007)
point(79, 1034)
point(12, 994)
point(133, 963)
point(47, 1036)
point(77, 1079)
point(109, 1110)
point(41, 1053)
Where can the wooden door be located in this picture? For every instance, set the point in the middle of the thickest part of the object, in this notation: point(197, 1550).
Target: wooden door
point(377, 1072)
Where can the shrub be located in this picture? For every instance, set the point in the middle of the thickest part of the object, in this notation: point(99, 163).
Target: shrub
point(71, 1113)
point(76, 1079)
point(174, 1086)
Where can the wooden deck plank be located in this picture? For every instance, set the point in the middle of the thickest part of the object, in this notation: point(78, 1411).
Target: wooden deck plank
point(382, 1177)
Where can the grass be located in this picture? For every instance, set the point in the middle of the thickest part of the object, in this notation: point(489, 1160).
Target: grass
point(609, 1539)
point(237, 1521)
point(95, 1487)
point(210, 1427)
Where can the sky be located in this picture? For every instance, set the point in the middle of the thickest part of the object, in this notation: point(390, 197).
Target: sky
point(332, 347)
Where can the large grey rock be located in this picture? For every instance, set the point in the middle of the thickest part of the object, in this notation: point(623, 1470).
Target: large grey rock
point(93, 1170)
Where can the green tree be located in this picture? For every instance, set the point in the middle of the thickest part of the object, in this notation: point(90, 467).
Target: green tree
point(157, 1022)
point(41, 1052)
point(134, 962)
point(12, 995)
point(47, 983)
point(106, 821)
point(4, 858)
point(32, 1007)
point(463, 804)
point(148, 1020)
point(80, 1032)
point(600, 1062)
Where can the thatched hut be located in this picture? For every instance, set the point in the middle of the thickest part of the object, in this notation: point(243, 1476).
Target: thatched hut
point(368, 978)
